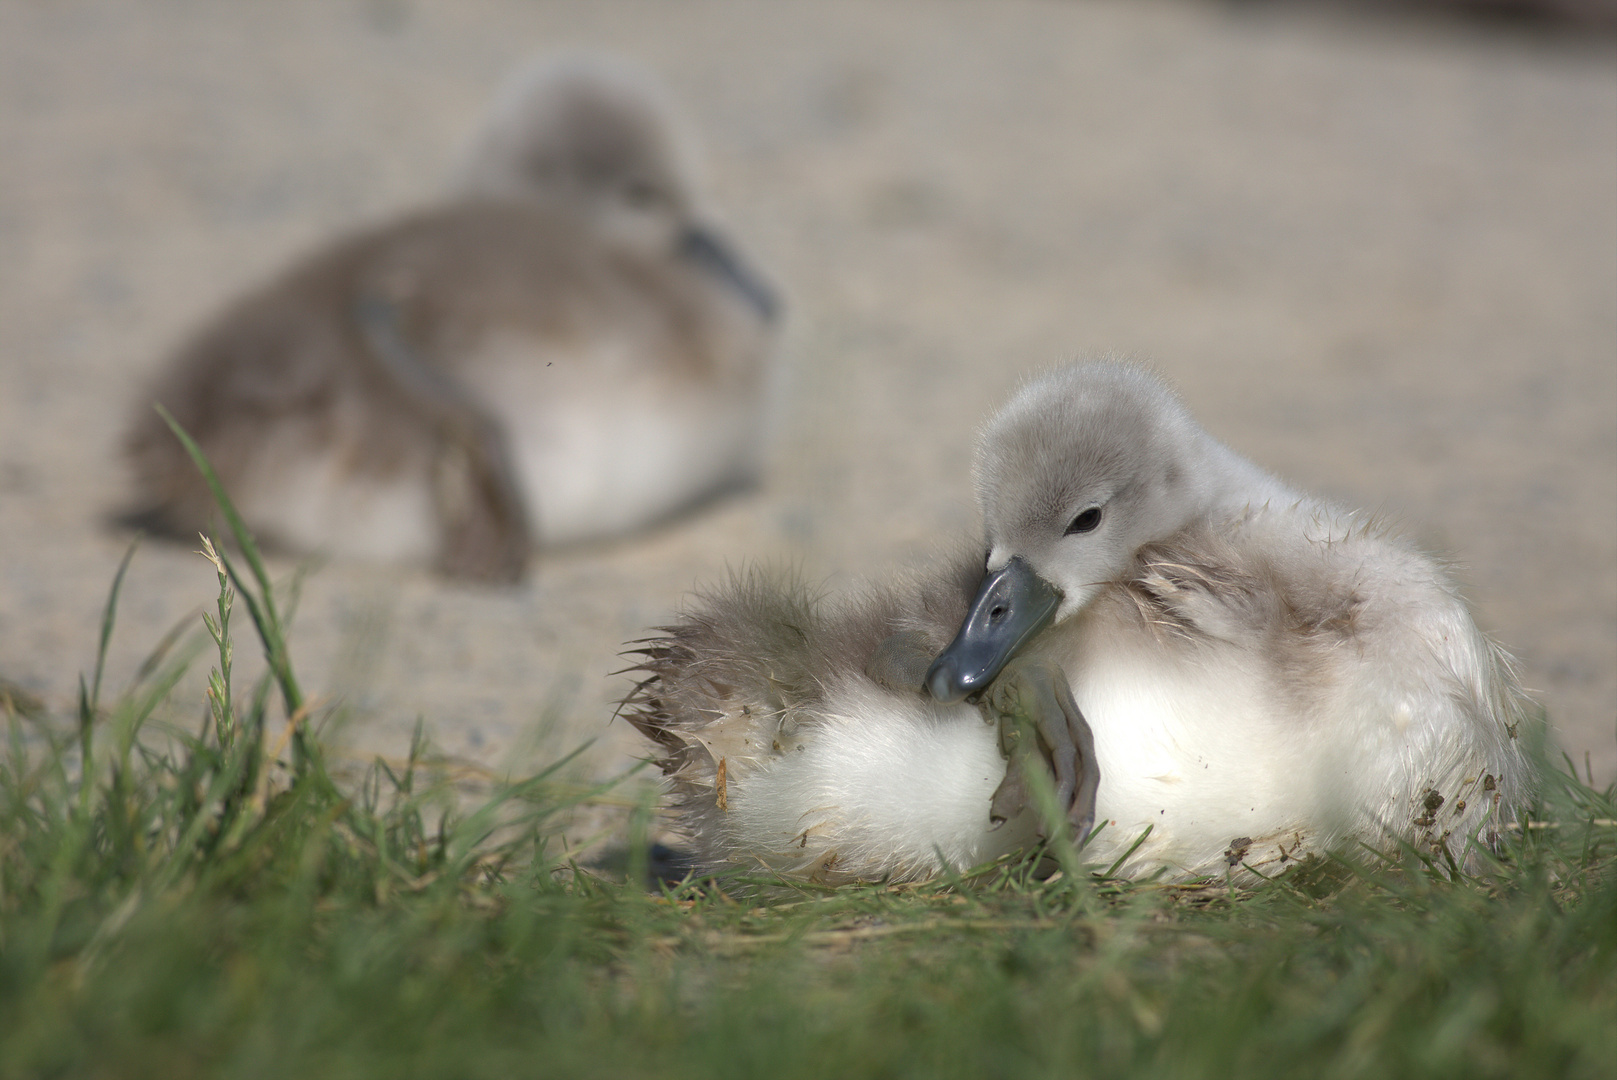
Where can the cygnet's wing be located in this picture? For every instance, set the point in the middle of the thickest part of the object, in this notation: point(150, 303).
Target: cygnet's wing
point(1289, 577)
point(284, 351)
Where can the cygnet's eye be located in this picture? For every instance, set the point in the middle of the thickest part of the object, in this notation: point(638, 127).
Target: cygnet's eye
point(1086, 521)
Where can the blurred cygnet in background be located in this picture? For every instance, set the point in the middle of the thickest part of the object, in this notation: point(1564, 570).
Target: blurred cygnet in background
point(562, 351)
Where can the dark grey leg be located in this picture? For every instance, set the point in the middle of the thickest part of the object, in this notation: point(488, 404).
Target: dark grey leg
point(480, 503)
point(1040, 726)
point(1038, 721)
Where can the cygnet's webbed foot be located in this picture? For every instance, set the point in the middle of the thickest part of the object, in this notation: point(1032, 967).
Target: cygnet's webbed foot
point(901, 660)
point(1040, 727)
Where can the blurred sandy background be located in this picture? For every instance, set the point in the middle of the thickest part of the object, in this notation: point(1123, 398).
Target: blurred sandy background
point(1379, 256)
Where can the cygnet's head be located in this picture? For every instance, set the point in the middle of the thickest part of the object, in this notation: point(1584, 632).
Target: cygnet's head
point(1081, 469)
point(592, 136)
point(595, 139)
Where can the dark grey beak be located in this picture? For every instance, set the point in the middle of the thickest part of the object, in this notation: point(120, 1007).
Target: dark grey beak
point(1013, 603)
point(713, 255)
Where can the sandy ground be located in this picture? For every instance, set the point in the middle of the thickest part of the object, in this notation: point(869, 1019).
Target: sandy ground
point(1379, 258)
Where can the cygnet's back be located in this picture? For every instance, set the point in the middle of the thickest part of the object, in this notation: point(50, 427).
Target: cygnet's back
point(561, 352)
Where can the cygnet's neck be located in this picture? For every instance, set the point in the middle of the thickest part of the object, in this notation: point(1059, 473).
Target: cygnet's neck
point(1229, 482)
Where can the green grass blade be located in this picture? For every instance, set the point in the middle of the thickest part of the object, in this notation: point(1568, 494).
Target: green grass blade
point(260, 607)
point(238, 528)
point(1123, 858)
point(108, 617)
